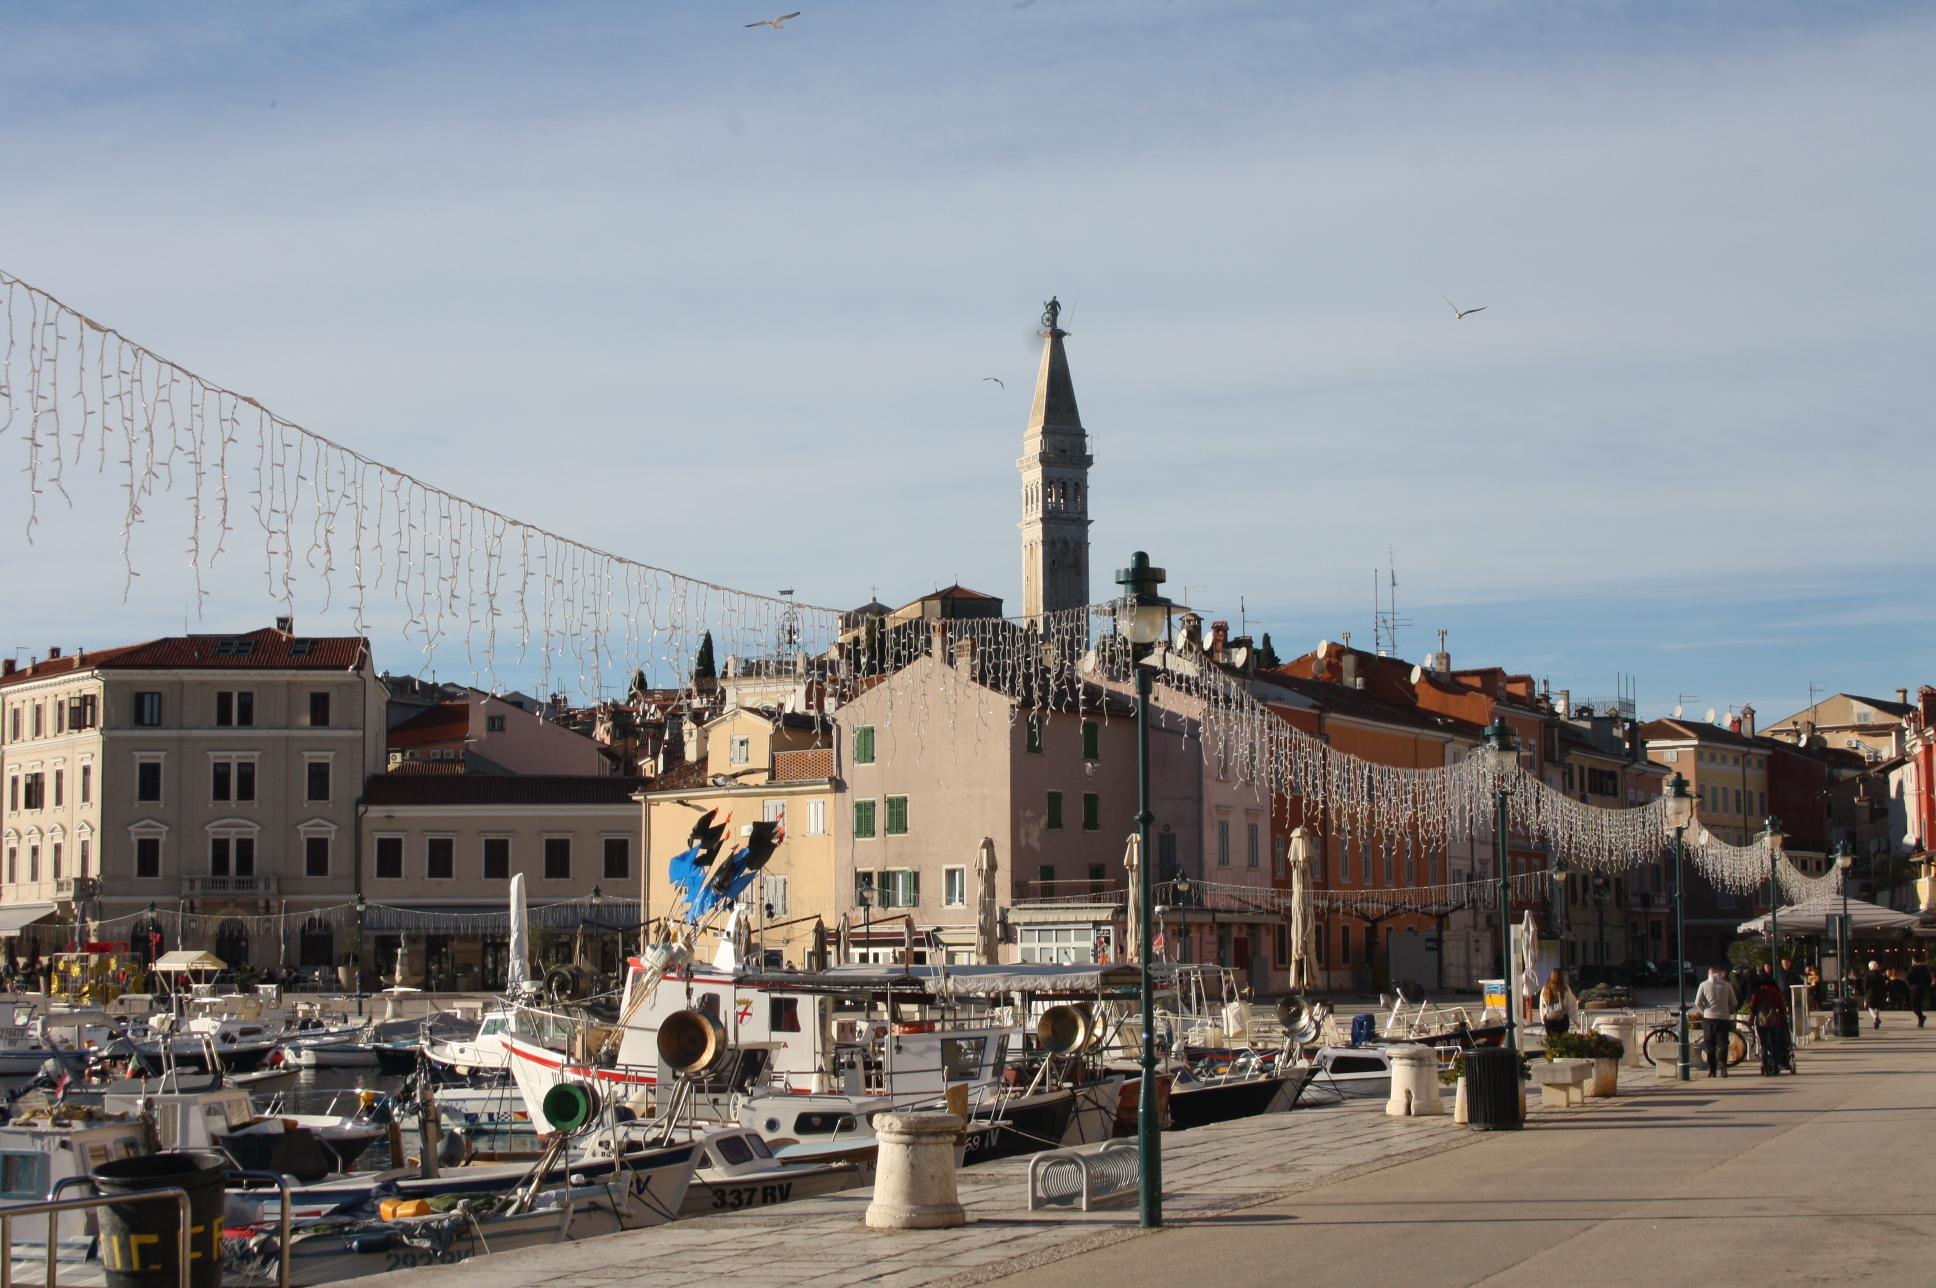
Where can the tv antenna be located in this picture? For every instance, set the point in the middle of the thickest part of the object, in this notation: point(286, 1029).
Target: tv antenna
point(1385, 620)
point(1681, 700)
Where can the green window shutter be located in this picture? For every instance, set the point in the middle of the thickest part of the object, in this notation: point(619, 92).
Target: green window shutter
point(897, 816)
point(864, 744)
point(863, 818)
point(1091, 812)
point(1055, 810)
point(1035, 733)
point(910, 889)
point(1091, 740)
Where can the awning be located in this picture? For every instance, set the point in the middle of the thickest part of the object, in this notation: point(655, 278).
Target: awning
point(1813, 920)
point(189, 959)
point(16, 916)
point(976, 981)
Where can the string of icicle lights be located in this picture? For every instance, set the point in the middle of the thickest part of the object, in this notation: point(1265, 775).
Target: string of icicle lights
point(333, 522)
point(80, 396)
point(931, 678)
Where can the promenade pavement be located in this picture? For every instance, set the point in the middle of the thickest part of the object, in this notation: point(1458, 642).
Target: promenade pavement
point(1776, 1180)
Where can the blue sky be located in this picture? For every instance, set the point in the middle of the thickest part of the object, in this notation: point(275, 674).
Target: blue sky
point(723, 299)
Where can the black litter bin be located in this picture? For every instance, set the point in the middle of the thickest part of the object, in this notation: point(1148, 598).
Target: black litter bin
point(1494, 1097)
point(140, 1245)
point(1848, 1018)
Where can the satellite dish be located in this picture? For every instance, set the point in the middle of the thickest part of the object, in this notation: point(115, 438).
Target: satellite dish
point(1324, 646)
point(1710, 715)
point(1677, 711)
point(1418, 673)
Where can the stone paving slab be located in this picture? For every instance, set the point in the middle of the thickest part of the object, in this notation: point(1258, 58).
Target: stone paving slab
point(823, 1243)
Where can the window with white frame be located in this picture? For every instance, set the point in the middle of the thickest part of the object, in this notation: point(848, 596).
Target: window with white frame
point(954, 887)
point(816, 818)
point(740, 749)
point(773, 811)
point(900, 888)
point(774, 894)
point(1057, 945)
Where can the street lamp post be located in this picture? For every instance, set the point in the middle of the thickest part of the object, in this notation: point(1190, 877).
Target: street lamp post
point(1143, 615)
point(1601, 884)
point(1504, 752)
point(1680, 813)
point(1844, 862)
point(1182, 888)
point(1772, 830)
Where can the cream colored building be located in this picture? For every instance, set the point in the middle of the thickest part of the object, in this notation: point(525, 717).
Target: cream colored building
point(214, 775)
point(439, 852)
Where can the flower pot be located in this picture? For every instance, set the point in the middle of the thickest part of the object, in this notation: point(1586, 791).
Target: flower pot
point(1606, 1077)
point(346, 976)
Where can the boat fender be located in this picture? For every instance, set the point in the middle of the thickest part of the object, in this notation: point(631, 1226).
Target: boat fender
point(366, 1244)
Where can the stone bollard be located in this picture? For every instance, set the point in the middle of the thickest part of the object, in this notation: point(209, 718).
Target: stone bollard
point(1414, 1082)
point(914, 1175)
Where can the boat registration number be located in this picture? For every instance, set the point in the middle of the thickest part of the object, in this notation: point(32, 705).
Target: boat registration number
point(411, 1258)
point(731, 1198)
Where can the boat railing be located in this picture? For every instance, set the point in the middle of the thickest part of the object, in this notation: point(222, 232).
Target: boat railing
point(53, 1209)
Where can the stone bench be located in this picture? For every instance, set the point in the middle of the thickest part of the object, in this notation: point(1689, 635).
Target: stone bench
point(1562, 1083)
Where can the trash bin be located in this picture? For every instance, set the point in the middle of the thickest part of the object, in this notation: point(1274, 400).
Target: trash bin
point(140, 1242)
point(1495, 1097)
point(1848, 1018)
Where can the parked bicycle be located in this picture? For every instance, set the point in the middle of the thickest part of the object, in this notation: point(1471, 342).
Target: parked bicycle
point(1663, 1042)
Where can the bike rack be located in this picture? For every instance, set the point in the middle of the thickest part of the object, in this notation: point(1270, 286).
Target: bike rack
point(53, 1209)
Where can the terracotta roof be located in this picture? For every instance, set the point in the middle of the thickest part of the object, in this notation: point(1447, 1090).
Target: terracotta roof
point(1352, 702)
point(266, 649)
point(445, 722)
point(500, 789)
point(431, 767)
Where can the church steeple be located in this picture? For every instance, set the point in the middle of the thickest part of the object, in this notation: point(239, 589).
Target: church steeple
point(1055, 485)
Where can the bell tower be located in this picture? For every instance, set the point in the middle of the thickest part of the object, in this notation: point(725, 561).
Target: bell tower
point(1055, 486)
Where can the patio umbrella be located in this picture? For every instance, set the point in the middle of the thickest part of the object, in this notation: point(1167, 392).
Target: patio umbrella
point(515, 972)
point(987, 946)
point(1304, 927)
point(1132, 862)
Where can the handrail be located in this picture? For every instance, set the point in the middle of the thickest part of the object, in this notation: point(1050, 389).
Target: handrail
point(282, 1234)
point(53, 1209)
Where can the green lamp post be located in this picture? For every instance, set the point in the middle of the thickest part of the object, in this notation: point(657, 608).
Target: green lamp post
point(1143, 617)
point(1503, 752)
point(1680, 816)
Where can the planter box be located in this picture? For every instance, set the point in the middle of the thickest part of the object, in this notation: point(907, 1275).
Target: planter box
point(1606, 1078)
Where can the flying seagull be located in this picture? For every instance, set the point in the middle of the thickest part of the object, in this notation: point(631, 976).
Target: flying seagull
point(997, 381)
point(1457, 312)
point(775, 22)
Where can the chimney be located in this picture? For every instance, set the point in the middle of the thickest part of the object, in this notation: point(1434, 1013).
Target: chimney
point(1565, 704)
point(1190, 637)
point(6, 666)
point(53, 652)
point(1734, 724)
point(287, 625)
point(1748, 720)
point(1442, 663)
point(1902, 695)
point(1219, 638)
point(1350, 661)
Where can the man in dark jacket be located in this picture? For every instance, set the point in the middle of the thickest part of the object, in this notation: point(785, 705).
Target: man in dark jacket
point(1918, 987)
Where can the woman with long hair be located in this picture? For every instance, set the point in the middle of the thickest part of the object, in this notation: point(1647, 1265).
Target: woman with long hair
point(1557, 1004)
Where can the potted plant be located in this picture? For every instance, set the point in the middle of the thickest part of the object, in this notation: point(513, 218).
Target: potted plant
point(1607, 997)
point(1604, 1051)
point(346, 972)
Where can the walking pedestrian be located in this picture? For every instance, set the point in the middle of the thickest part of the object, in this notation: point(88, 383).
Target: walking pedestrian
point(1919, 987)
point(1768, 1011)
point(1814, 982)
point(1557, 1004)
point(1875, 992)
point(1715, 1001)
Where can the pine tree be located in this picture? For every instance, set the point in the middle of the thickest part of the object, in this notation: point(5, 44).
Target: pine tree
point(1266, 655)
point(703, 666)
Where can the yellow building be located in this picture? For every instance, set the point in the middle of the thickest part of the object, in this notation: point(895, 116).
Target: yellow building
point(755, 764)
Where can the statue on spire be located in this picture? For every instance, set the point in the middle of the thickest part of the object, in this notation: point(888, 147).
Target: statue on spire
point(1050, 312)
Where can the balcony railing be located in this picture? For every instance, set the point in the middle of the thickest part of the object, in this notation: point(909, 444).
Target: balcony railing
point(1072, 892)
point(194, 887)
point(71, 889)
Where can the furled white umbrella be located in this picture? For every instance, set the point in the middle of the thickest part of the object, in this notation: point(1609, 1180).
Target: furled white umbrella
point(514, 972)
point(1132, 864)
point(1304, 925)
point(986, 934)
